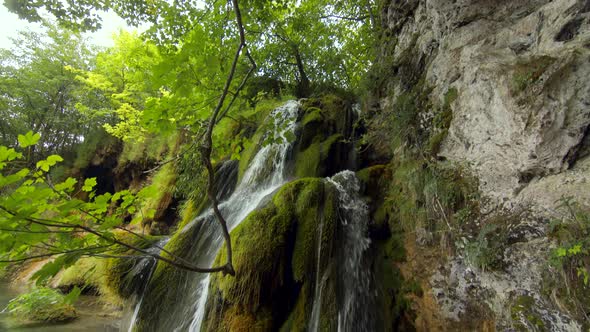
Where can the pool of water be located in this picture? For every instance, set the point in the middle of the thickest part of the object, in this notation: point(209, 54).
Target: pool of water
point(92, 317)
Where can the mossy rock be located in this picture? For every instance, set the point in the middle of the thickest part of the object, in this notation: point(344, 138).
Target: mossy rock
point(311, 126)
point(324, 117)
point(323, 157)
point(375, 181)
point(126, 275)
point(42, 305)
point(113, 279)
point(275, 258)
point(392, 288)
point(524, 316)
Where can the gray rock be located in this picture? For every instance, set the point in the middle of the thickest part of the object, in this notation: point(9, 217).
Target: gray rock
point(520, 124)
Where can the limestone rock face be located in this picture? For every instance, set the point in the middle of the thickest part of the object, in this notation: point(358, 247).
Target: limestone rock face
point(521, 71)
point(520, 124)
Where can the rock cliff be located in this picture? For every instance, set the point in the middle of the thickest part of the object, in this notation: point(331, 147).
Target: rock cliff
point(511, 80)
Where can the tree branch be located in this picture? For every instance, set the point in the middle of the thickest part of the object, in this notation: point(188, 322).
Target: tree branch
point(173, 262)
point(52, 254)
point(207, 143)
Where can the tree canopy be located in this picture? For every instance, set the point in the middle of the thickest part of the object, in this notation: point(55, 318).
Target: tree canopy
point(190, 70)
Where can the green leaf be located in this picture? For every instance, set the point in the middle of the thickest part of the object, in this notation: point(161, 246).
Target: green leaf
point(50, 161)
point(54, 158)
point(73, 295)
point(28, 139)
point(561, 252)
point(67, 185)
point(582, 272)
point(150, 213)
point(50, 269)
point(110, 222)
point(574, 250)
point(89, 184)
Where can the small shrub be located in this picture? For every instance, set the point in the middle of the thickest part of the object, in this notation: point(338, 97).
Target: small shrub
point(573, 235)
point(44, 305)
point(572, 257)
point(486, 250)
point(529, 73)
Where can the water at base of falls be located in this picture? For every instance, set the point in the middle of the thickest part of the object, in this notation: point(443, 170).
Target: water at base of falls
point(266, 173)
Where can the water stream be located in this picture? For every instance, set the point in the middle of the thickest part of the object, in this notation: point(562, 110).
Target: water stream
point(264, 175)
point(141, 274)
point(356, 298)
point(347, 270)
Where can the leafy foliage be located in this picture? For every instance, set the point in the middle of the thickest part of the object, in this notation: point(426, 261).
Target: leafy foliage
point(573, 234)
point(41, 219)
point(39, 93)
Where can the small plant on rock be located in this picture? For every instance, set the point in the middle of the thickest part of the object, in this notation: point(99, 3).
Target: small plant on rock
point(44, 305)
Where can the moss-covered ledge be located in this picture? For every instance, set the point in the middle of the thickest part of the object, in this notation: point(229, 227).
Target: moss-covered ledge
point(276, 257)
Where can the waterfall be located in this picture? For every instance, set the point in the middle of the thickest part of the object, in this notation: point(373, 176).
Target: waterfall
point(140, 274)
point(264, 175)
point(317, 303)
point(356, 299)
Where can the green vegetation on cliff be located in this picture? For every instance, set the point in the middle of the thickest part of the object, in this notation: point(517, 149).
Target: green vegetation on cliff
point(276, 251)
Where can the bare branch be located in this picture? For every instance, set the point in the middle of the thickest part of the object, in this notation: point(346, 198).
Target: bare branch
point(207, 143)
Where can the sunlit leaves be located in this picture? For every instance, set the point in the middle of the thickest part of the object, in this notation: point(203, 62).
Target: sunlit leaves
point(89, 184)
point(41, 219)
point(67, 185)
point(50, 161)
point(28, 139)
point(51, 268)
point(124, 77)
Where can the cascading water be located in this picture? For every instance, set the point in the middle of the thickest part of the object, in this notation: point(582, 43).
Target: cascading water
point(265, 174)
point(354, 278)
point(139, 275)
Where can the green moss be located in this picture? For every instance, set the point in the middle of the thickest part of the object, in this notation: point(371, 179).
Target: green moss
point(311, 161)
point(435, 141)
point(43, 305)
point(90, 273)
point(524, 317)
point(275, 253)
point(158, 196)
point(98, 140)
point(374, 179)
point(441, 122)
point(299, 316)
point(375, 183)
point(527, 73)
point(260, 268)
point(450, 97)
point(428, 195)
point(188, 212)
point(109, 277)
point(312, 114)
point(390, 283)
point(151, 148)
